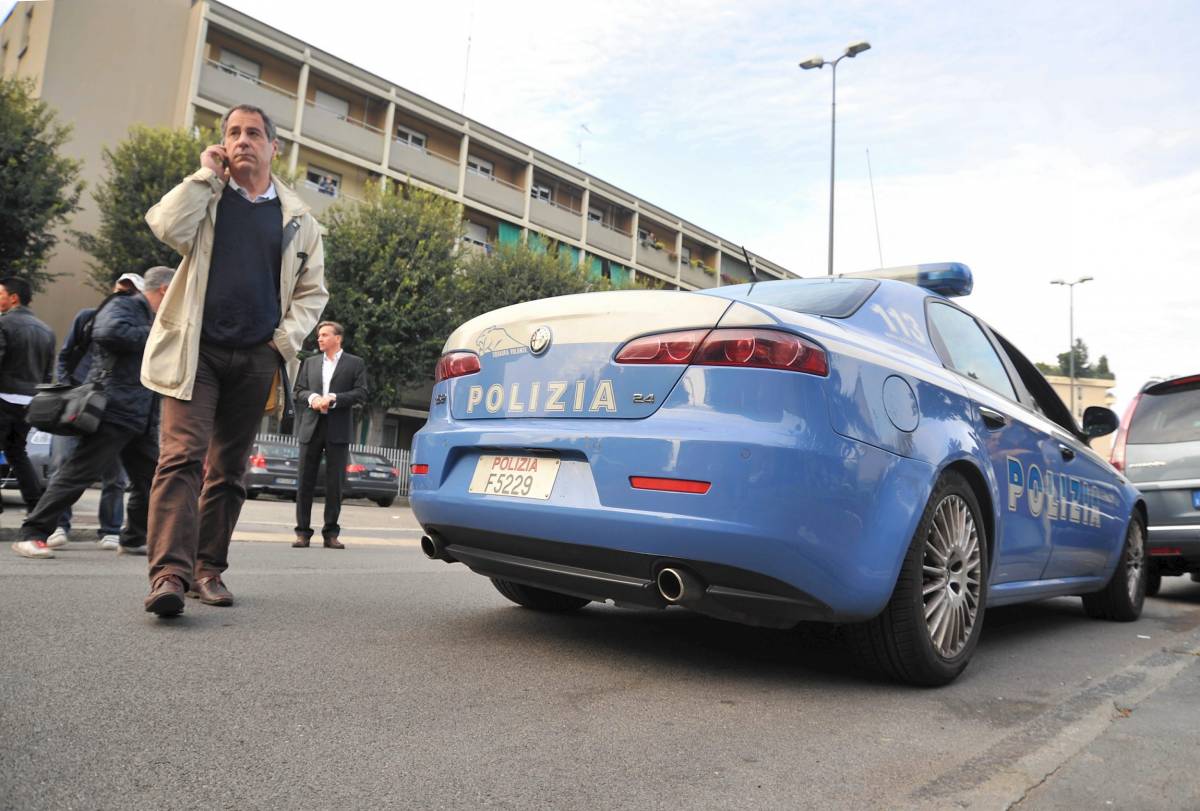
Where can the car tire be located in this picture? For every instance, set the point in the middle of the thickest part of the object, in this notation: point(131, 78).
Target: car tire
point(946, 568)
point(538, 599)
point(385, 502)
point(1153, 579)
point(1122, 597)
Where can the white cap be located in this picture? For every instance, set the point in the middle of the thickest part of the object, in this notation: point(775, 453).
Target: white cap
point(134, 279)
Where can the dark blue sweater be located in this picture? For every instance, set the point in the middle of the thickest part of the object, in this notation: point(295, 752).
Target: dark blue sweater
point(241, 306)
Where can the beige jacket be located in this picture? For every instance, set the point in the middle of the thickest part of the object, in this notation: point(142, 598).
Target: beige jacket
point(185, 218)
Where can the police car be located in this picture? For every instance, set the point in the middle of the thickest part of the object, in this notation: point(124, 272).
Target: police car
point(856, 450)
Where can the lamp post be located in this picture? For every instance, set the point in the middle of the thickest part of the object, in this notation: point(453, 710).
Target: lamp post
point(851, 51)
point(1071, 321)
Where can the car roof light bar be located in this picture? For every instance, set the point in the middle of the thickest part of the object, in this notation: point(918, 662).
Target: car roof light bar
point(950, 279)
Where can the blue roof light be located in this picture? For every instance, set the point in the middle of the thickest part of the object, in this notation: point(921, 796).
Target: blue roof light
point(948, 279)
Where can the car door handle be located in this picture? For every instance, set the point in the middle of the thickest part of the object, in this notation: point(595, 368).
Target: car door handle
point(992, 418)
point(1066, 452)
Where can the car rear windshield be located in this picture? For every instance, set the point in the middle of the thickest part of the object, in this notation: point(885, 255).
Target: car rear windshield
point(1172, 417)
point(370, 459)
point(280, 451)
point(832, 298)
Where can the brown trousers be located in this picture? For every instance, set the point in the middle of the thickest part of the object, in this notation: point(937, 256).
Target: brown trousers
point(198, 493)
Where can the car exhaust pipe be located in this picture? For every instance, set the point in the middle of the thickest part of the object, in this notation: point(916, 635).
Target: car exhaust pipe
point(434, 549)
point(679, 586)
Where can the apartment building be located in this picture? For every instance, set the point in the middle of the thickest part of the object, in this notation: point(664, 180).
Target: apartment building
point(105, 66)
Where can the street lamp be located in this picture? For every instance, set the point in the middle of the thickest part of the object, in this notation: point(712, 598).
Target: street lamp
point(1071, 320)
point(852, 50)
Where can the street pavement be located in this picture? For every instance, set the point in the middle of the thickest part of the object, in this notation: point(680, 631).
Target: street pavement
point(374, 678)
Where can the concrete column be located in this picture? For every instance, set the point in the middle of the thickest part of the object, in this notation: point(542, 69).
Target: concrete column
point(717, 265)
point(189, 113)
point(587, 201)
point(678, 253)
point(301, 95)
point(528, 189)
point(464, 148)
point(389, 125)
point(633, 235)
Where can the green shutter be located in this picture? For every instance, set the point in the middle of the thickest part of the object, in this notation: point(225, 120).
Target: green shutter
point(510, 234)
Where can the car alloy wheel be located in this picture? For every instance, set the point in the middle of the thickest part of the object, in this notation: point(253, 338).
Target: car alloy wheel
point(1135, 559)
point(952, 576)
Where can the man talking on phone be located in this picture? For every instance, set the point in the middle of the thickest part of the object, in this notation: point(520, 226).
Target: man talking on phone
point(250, 288)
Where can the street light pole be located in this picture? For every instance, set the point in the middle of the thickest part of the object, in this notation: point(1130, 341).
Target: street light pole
point(851, 51)
point(1071, 327)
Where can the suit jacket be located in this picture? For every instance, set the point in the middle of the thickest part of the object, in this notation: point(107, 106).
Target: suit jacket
point(349, 383)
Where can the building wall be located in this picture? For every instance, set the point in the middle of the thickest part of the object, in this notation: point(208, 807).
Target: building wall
point(1088, 392)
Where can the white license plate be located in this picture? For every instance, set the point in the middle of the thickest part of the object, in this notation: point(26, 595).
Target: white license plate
point(520, 476)
point(375, 475)
point(285, 481)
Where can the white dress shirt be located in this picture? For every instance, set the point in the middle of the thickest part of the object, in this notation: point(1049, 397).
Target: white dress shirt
point(328, 367)
point(269, 194)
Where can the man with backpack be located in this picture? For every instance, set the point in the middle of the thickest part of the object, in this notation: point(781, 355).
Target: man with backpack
point(74, 363)
point(129, 427)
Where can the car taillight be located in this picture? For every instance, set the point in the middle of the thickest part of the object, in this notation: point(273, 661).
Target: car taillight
point(395, 471)
point(1117, 459)
point(456, 364)
point(760, 348)
point(356, 468)
point(670, 347)
point(419, 470)
point(258, 461)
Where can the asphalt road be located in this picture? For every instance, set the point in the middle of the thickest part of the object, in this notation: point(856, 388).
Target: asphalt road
point(372, 677)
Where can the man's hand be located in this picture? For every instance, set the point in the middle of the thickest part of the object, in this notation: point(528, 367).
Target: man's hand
point(215, 158)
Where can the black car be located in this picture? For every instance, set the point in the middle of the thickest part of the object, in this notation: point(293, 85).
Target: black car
point(274, 469)
point(1158, 448)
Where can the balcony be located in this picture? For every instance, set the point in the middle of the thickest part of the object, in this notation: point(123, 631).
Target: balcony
point(319, 201)
point(424, 164)
point(657, 259)
point(702, 276)
point(348, 134)
point(496, 193)
point(609, 238)
point(229, 87)
point(557, 218)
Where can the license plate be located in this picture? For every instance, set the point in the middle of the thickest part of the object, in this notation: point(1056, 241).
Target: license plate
point(285, 481)
point(519, 476)
point(374, 475)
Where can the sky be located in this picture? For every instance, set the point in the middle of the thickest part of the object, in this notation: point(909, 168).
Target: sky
point(1032, 141)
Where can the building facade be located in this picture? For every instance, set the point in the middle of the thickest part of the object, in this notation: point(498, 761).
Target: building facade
point(179, 63)
point(1089, 391)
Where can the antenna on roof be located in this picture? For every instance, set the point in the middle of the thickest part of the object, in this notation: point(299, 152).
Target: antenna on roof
point(579, 143)
point(871, 177)
point(750, 264)
point(462, 107)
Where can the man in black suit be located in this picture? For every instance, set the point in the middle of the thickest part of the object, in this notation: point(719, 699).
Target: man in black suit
point(328, 387)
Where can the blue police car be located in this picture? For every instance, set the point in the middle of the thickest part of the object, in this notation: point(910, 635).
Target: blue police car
point(857, 450)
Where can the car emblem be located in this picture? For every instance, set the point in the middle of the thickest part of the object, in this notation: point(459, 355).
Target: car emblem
point(539, 341)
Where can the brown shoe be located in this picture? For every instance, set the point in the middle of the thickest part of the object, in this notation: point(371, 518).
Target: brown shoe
point(301, 542)
point(211, 591)
point(166, 597)
point(332, 542)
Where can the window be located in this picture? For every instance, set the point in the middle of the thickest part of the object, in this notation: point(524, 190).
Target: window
point(25, 32)
point(481, 167)
point(964, 348)
point(540, 191)
point(323, 181)
point(240, 66)
point(410, 138)
point(332, 104)
point(685, 254)
point(595, 215)
point(476, 234)
point(1173, 415)
point(644, 236)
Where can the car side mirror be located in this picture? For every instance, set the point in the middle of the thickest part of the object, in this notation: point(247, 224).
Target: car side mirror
point(1099, 421)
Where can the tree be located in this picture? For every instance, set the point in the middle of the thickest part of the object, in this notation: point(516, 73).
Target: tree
point(515, 273)
point(1082, 367)
point(140, 170)
point(39, 189)
point(390, 264)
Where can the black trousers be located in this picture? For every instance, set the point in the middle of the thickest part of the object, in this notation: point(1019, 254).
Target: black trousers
point(336, 455)
point(94, 453)
point(13, 430)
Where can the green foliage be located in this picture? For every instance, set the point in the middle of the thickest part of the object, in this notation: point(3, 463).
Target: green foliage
point(140, 170)
point(390, 264)
point(39, 189)
point(516, 273)
point(1082, 367)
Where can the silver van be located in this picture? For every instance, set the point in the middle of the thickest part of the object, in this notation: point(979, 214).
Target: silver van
point(1158, 448)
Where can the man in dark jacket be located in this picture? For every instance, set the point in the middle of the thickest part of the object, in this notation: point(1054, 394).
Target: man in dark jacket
point(129, 427)
point(26, 359)
point(74, 364)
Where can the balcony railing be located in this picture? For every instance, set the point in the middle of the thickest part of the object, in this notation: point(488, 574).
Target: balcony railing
point(557, 217)
point(354, 136)
point(496, 192)
point(320, 200)
point(228, 87)
point(657, 258)
point(424, 164)
point(610, 238)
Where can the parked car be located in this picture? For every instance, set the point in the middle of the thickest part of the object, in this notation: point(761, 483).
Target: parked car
point(1158, 448)
point(274, 469)
point(857, 450)
point(37, 446)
